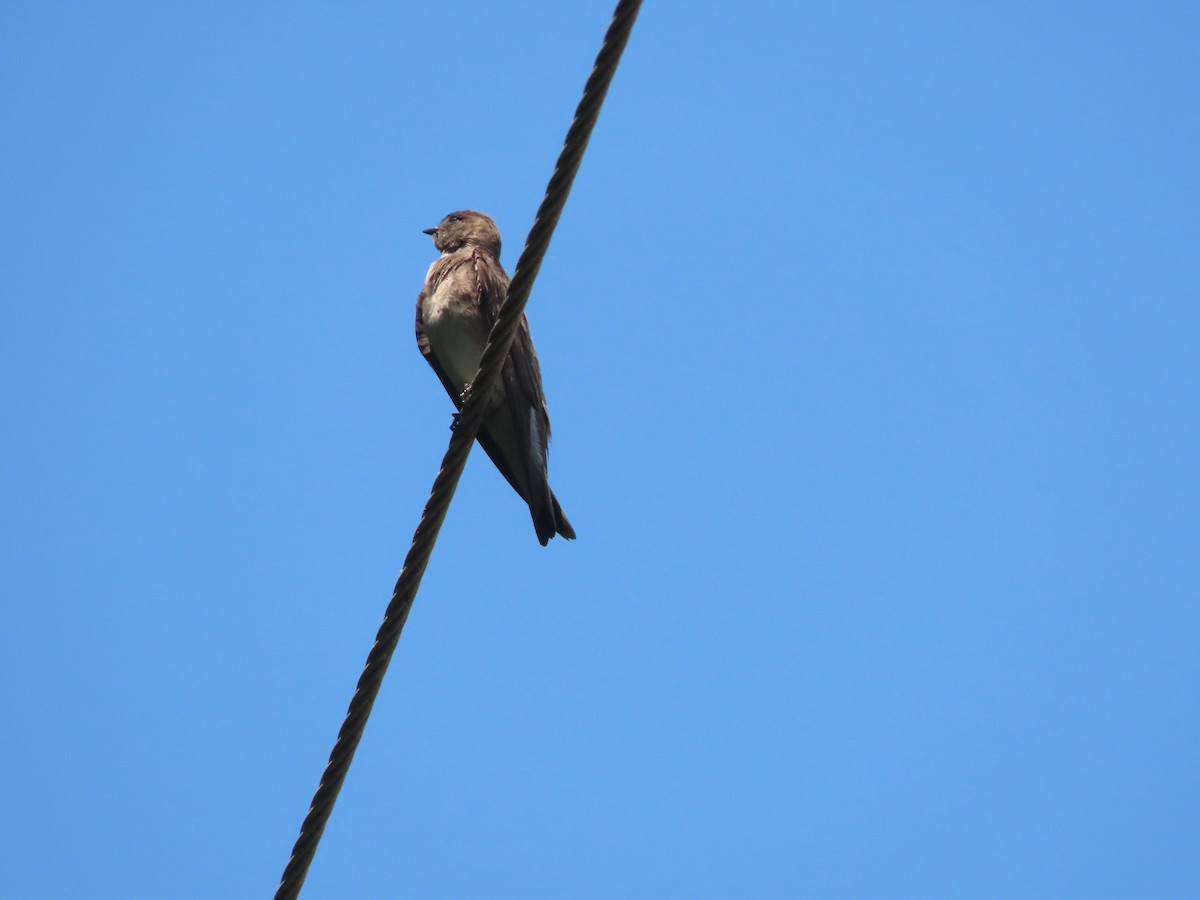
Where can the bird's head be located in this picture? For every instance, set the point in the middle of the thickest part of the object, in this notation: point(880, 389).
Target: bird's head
point(466, 228)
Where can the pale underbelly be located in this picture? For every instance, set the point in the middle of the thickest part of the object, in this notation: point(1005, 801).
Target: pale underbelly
point(458, 349)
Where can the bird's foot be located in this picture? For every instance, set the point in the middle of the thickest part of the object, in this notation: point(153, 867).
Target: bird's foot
point(463, 397)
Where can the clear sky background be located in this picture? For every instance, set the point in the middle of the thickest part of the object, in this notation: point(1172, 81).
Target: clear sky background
point(870, 337)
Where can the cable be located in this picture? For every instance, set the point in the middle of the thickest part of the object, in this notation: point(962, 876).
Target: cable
point(455, 459)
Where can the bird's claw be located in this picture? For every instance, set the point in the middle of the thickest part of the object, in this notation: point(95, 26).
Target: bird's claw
point(463, 398)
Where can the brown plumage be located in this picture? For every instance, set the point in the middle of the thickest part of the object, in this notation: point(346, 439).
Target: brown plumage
point(456, 310)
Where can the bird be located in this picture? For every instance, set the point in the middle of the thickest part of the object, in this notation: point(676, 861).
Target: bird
point(456, 310)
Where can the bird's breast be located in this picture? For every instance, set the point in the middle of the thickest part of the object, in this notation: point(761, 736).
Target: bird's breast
point(455, 331)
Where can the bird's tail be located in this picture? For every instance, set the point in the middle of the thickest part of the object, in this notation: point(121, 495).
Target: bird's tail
point(549, 520)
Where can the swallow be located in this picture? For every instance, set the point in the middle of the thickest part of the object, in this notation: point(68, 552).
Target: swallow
point(456, 310)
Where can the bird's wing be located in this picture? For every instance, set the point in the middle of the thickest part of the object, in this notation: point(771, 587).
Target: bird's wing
point(522, 375)
point(525, 406)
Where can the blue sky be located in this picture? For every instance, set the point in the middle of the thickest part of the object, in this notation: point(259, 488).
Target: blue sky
point(869, 335)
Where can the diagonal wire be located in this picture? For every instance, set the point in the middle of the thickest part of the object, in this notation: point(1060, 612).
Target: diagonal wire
point(455, 459)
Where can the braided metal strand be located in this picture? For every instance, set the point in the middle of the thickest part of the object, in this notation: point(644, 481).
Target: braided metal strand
point(499, 343)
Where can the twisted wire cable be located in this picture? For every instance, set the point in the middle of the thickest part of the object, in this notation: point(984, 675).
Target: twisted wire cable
point(455, 459)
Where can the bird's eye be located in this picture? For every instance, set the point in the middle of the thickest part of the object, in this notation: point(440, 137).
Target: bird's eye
point(455, 218)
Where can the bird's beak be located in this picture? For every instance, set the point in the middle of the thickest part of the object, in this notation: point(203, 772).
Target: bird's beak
point(430, 231)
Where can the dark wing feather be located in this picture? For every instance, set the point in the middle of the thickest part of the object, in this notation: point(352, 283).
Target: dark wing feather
point(492, 285)
point(522, 375)
point(522, 382)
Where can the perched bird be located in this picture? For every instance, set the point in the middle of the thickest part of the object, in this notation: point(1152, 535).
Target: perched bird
point(456, 310)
